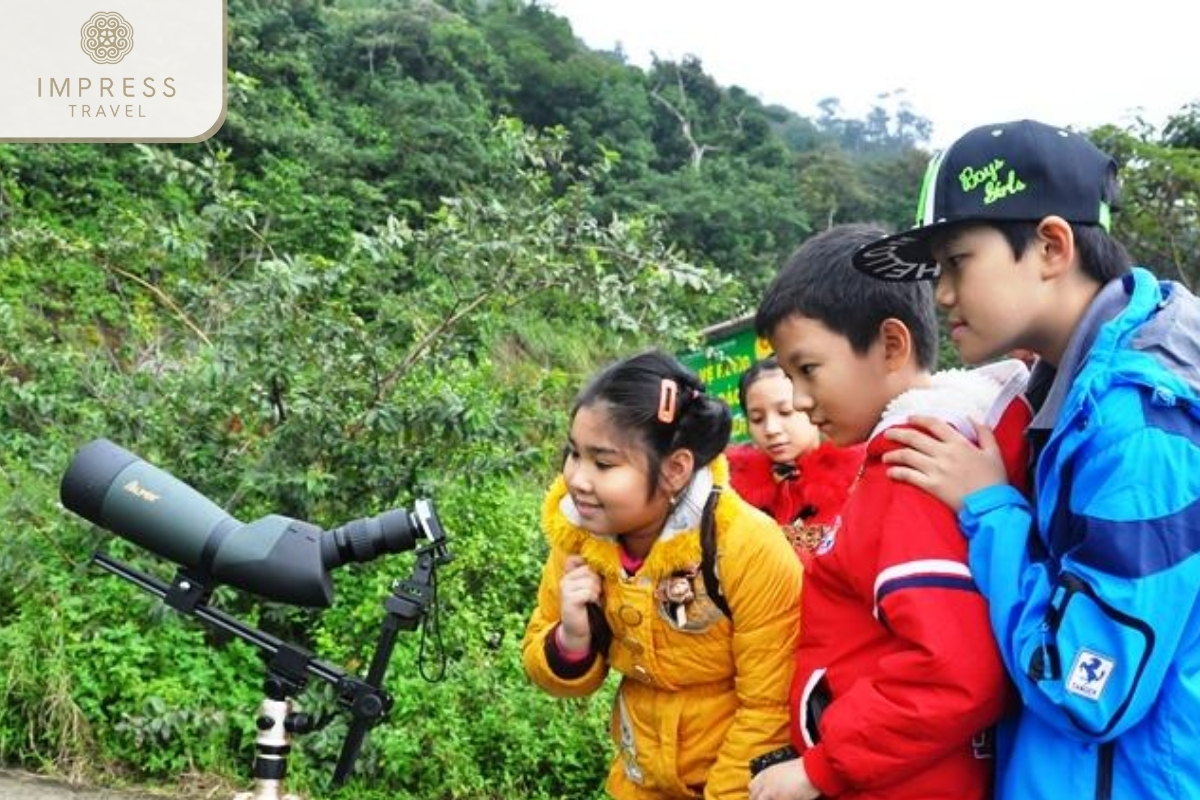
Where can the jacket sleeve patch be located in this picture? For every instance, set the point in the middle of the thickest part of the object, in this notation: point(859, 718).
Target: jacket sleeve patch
point(1089, 674)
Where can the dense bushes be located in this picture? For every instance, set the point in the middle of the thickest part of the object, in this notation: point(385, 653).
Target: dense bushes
point(432, 360)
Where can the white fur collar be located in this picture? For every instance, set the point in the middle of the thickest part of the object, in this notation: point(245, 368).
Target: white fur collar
point(960, 395)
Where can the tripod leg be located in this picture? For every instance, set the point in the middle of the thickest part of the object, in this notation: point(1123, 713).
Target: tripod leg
point(272, 746)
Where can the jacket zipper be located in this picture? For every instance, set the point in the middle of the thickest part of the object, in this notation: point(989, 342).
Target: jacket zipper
point(1104, 771)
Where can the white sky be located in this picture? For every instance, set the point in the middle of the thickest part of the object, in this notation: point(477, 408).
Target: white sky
point(959, 63)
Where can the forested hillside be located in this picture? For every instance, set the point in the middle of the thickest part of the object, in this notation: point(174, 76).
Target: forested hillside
point(422, 225)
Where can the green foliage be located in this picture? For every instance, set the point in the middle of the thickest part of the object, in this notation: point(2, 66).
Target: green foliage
point(1159, 217)
point(430, 357)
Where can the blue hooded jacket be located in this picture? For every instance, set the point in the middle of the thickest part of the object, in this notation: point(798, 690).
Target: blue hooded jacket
point(1093, 594)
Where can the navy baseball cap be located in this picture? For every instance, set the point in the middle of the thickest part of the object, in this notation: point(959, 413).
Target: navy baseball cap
point(1007, 172)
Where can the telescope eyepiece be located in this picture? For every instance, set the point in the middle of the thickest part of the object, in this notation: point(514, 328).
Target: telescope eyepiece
point(368, 538)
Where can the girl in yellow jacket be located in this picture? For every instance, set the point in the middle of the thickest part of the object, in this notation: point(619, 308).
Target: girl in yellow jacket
point(704, 678)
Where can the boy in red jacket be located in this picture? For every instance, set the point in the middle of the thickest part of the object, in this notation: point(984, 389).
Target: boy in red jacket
point(898, 679)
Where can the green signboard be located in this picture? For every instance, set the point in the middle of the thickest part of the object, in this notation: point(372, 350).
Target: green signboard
point(729, 349)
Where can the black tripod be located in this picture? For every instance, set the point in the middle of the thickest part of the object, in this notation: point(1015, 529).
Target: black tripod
point(289, 666)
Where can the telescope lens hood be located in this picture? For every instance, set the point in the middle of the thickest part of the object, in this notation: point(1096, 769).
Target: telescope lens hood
point(91, 473)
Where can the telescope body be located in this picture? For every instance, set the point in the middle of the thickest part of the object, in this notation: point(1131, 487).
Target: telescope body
point(276, 557)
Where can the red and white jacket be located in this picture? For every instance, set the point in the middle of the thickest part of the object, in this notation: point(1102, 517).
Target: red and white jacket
point(898, 679)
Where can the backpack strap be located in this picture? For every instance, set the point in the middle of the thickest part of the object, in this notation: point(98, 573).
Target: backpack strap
point(708, 553)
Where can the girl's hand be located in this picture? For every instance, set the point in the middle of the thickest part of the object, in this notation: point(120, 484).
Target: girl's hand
point(787, 780)
point(943, 462)
point(579, 586)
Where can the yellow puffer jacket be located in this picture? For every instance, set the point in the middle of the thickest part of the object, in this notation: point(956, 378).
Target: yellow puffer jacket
point(700, 694)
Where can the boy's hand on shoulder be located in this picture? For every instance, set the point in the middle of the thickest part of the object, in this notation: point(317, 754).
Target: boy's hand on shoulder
point(784, 781)
point(942, 461)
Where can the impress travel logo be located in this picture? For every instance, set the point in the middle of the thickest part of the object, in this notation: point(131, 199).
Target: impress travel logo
point(130, 71)
point(106, 37)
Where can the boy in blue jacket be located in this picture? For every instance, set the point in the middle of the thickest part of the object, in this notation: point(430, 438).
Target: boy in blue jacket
point(1092, 582)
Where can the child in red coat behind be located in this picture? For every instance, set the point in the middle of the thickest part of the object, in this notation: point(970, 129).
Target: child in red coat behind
point(787, 471)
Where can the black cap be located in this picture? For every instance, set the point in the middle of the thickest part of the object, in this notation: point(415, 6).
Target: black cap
point(1010, 172)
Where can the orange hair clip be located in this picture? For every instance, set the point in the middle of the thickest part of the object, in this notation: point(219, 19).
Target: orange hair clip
point(668, 395)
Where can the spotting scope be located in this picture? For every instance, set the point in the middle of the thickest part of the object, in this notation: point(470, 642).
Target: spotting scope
point(275, 557)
